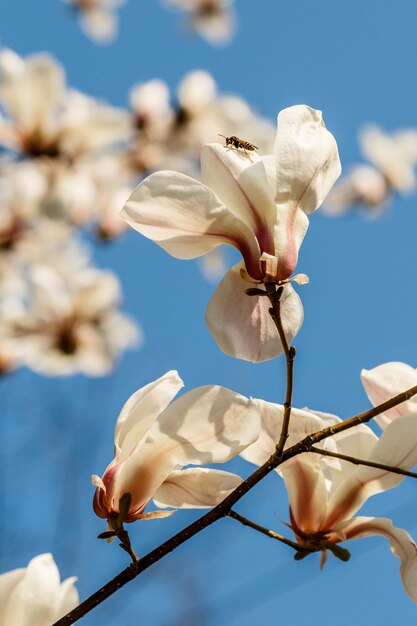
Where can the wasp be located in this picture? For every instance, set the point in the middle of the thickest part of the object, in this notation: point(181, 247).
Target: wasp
point(239, 143)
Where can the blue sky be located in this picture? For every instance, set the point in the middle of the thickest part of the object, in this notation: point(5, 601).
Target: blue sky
point(353, 60)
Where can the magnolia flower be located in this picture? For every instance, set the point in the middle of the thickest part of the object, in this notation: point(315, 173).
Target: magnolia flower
point(386, 381)
point(213, 20)
point(72, 323)
point(34, 595)
point(325, 494)
point(259, 206)
point(98, 18)
point(154, 440)
point(393, 158)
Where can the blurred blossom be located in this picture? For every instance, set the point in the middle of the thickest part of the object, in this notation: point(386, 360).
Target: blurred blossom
point(156, 437)
point(393, 158)
point(325, 493)
point(171, 135)
point(34, 595)
point(98, 18)
point(213, 20)
point(61, 131)
point(71, 322)
point(257, 204)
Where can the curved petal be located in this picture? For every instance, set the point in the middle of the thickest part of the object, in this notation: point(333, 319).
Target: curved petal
point(243, 185)
point(302, 423)
point(185, 217)
point(241, 324)
point(307, 158)
point(8, 582)
point(206, 425)
point(67, 598)
point(402, 546)
point(397, 447)
point(195, 488)
point(141, 410)
point(386, 381)
point(32, 601)
point(307, 493)
point(289, 231)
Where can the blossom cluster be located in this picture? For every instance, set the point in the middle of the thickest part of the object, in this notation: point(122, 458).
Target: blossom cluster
point(213, 20)
point(391, 170)
point(68, 163)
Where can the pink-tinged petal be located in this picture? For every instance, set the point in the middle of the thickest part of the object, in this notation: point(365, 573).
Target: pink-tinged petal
point(289, 231)
point(401, 543)
point(242, 325)
point(307, 493)
point(243, 185)
point(302, 423)
point(186, 218)
point(195, 488)
point(206, 425)
point(397, 447)
point(141, 410)
point(307, 158)
point(386, 381)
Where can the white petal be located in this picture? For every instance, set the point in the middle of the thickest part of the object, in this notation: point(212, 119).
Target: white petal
point(67, 598)
point(196, 488)
point(307, 158)
point(142, 409)
point(302, 423)
point(99, 24)
point(185, 217)
point(402, 546)
point(8, 582)
point(32, 602)
point(386, 381)
point(206, 425)
point(242, 325)
point(31, 90)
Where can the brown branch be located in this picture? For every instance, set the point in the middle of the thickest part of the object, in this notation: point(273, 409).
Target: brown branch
point(222, 509)
point(274, 295)
point(362, 418)
point(269, 533)
point(355, 461)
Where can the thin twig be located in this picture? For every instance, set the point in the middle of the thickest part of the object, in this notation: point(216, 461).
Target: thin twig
point(222, 509)
point(355, 461)
point(274, 295)
point(269, 533)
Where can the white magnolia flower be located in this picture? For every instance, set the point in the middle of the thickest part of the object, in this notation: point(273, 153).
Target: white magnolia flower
point(213, 20)
point(98, 18)
point(393, 158)
point(154, 440)
point(386, 381)
point(259, 206)
point(72, 323)
point(34, 595)
point(62, 131)
point(325, 494)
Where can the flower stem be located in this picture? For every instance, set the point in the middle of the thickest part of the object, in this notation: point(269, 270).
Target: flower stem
point(269, 533)
point(274, 295)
